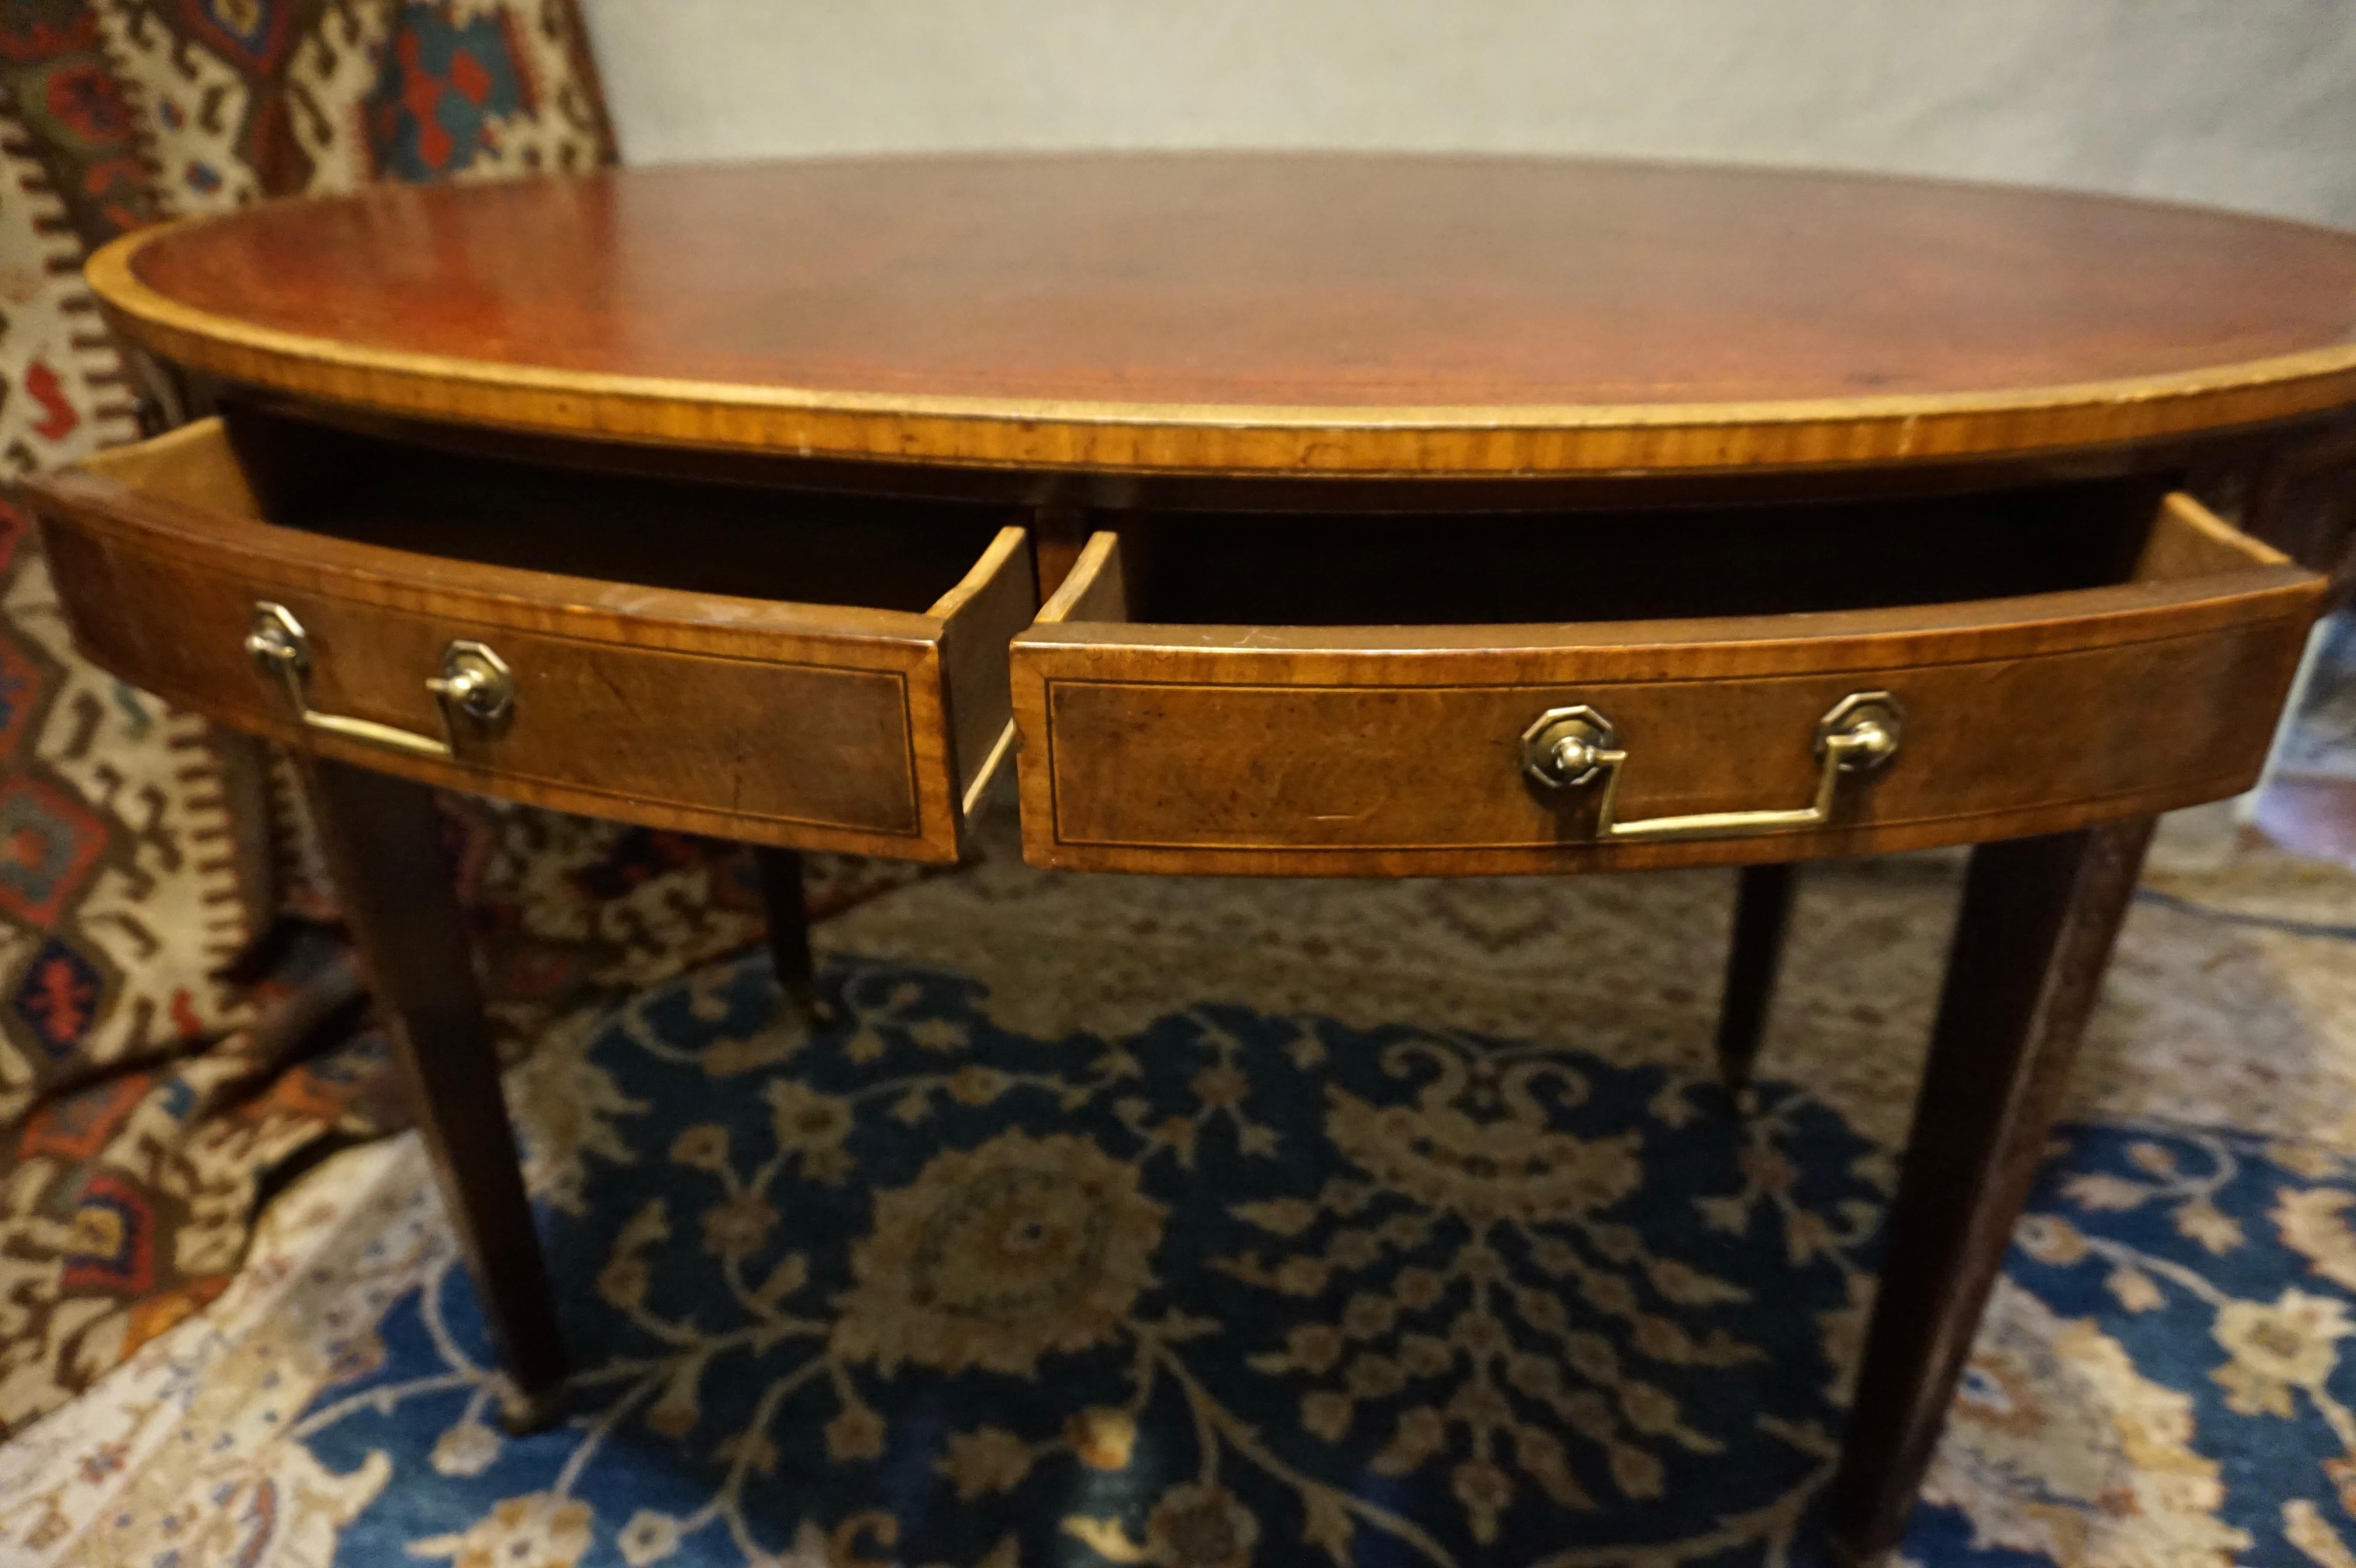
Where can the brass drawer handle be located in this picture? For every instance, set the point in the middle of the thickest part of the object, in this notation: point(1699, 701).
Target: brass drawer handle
point(1569, 746)
point(474, 681)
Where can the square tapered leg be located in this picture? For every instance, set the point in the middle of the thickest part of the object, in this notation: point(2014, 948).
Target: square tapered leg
point(1763, 909)
point(382, 847)
point(2040, 917)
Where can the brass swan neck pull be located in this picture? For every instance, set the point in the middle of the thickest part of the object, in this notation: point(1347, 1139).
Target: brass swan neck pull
point(474, 681)
point(1566, 748)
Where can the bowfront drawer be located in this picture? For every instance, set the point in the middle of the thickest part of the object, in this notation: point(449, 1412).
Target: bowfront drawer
point(720, 660)
point(1976, 677)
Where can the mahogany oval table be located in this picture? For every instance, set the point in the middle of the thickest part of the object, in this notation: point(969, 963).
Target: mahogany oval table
point(1300, 515)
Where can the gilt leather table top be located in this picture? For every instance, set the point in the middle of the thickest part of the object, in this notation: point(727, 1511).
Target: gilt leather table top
point(1234, 313)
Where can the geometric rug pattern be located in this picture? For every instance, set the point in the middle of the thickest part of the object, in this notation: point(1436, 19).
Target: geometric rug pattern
point(144, 1095)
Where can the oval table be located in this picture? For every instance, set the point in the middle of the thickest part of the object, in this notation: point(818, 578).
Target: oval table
point(1302, 514)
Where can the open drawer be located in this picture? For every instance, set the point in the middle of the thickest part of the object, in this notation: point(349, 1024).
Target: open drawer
point(777, 667)
point(1393, 697)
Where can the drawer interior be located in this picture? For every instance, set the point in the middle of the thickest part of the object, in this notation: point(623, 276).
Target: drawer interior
point(818, 547)
point(1655, 564)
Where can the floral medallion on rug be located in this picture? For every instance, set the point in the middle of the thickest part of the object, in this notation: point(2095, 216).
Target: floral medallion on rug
point(1182, 1236)
point(930, 1291)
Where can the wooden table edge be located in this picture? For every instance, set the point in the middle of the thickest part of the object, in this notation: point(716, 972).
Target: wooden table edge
point(1371, 441)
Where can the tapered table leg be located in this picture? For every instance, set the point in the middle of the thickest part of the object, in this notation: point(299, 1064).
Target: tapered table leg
point(379, 834)
point(789, 939)
point(2038, 919)
point(1762, 907)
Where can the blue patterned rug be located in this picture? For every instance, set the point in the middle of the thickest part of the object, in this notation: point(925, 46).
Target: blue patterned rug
point(1430, 1241)
point(1247, 1289)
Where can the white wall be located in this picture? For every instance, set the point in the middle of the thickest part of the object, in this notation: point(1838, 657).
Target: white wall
point(2248, 103)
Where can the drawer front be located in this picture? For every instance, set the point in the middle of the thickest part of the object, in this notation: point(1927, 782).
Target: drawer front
point(1289, 750)
point(736, 718)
